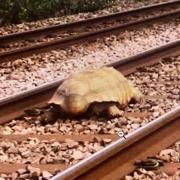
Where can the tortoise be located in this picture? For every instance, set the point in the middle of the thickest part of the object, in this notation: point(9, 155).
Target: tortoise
point(103, 91)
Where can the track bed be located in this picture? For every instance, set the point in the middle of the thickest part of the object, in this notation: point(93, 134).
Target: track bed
point(52, 33)
point(170, 168)
point(160, 85)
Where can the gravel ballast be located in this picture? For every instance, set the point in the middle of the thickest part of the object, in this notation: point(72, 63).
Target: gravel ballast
point(62, 34)
point(160, 80)
point(158, 83)
point(26, 73)
point(35, 151)
point(169, 155)
point(122, 5)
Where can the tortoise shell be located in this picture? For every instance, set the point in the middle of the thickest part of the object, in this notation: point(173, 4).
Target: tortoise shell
point(79, 91)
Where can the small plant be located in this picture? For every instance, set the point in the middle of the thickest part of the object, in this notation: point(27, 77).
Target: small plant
point(16, 11)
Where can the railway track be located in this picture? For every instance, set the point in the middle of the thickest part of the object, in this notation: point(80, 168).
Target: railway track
point(19, 45)
point(168, 166)
point(117, 160)
point(94, 134)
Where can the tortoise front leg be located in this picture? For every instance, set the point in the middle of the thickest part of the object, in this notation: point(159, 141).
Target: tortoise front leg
point(98, 108)
point(113, 111)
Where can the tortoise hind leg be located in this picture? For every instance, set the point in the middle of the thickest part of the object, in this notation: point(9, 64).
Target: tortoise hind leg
point(113, 111)
point(105, 109)
point(98, 108)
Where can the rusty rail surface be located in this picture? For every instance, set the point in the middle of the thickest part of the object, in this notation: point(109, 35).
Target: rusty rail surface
point(80, 38)
point(116, 160)
point(115, 153)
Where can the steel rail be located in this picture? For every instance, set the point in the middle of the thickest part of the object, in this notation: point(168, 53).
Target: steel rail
point(116, 160)
point(13, 106)
point(84, 37)
point(89, 21)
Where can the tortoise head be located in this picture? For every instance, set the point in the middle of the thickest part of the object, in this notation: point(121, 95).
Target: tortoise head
point(137, 95)
point(74, 104)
